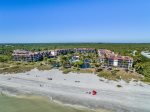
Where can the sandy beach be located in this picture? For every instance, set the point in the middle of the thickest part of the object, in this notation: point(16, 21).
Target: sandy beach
point(72, 89)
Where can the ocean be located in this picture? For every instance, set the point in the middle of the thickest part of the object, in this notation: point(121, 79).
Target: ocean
point(33, 104)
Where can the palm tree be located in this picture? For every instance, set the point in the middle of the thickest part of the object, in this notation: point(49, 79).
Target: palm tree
point(139, 67)
point(78, 63)
point(69, 56)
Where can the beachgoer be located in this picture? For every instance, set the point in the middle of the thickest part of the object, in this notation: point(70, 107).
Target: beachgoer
point(40, 85)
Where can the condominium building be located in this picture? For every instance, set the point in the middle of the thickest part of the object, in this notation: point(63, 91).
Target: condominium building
point(24, 55)
point(109, 58)
point(63, 51)
point(85, 50)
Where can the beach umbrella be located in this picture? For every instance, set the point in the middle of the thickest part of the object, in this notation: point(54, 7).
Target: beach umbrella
point(94, 92)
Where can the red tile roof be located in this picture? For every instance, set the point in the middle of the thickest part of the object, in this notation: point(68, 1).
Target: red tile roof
point(111, 55)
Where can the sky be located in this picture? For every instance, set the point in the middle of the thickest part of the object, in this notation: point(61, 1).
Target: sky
point(61, 21)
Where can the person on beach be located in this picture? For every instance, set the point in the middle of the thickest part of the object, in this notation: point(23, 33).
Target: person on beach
point(41, 85)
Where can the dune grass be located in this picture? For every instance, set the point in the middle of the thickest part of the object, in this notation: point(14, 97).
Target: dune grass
point(18, 67)
point(118, 75)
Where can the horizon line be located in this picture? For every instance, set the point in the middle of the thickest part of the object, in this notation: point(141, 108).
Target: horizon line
point(76, 43)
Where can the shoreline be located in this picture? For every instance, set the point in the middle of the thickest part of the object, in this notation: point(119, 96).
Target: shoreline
point(45, 98)
point(63, 88)
point(50, 100)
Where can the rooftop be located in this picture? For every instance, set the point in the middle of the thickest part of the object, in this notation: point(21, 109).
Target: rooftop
point(104, 53)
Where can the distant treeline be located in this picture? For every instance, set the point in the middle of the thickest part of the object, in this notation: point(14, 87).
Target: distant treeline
point(44, 46)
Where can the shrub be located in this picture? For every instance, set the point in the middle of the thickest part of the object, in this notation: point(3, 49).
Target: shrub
point(66, 71)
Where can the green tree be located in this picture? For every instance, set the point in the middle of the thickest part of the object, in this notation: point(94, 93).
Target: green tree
point(139, 67)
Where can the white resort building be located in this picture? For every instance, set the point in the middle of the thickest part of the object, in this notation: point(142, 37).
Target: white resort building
point(109, 58)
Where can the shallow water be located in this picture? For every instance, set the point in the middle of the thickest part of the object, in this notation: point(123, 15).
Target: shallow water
point(33, 104)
